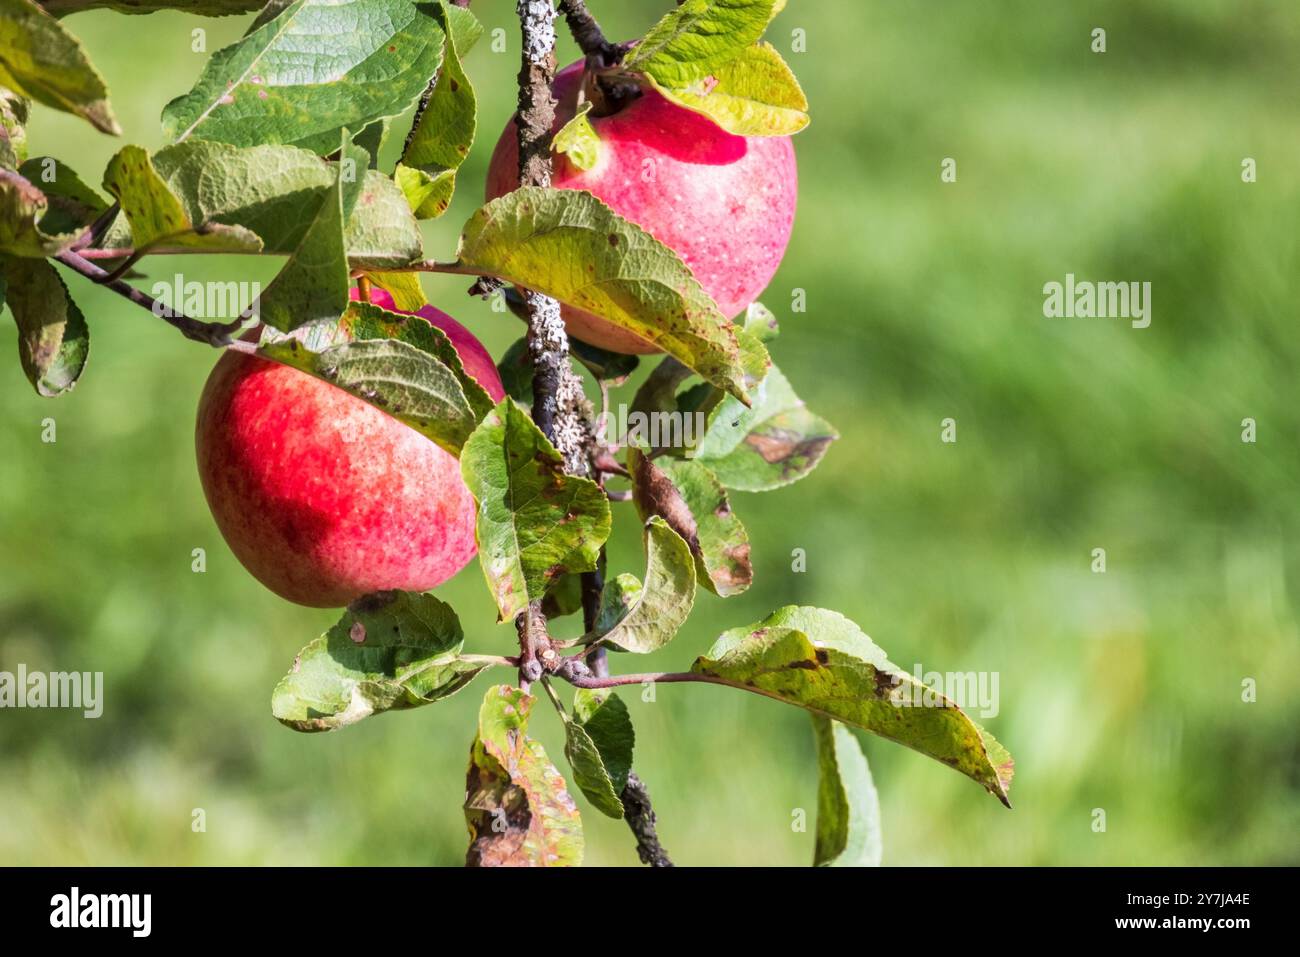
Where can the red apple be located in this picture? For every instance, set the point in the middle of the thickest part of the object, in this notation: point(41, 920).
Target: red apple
point(324, 498)
point(724, 203)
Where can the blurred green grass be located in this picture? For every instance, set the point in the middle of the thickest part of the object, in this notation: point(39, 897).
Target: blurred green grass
point(1119, 691)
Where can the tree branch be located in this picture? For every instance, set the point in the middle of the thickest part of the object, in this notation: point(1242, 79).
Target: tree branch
point(640, 816)
point(220, 335)
point(588, 35)
point(557, 392)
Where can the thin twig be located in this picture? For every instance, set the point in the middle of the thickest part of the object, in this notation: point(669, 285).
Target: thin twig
point(220, 335)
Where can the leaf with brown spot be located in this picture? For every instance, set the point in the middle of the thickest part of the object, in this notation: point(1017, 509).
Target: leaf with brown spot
point(390, 651)
point(546, 240)
point(53, 339)
point(822, 661)
point(534, 522)
point(156, 214)
point(773, 443)
point(443, 131)
point(663, 604)
point(694, 504)
point(519, 812)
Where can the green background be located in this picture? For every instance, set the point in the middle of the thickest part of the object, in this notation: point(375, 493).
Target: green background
point(1119, 691)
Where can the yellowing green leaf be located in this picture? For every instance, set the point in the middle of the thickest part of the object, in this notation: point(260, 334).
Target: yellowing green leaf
point(390, 651)
point(404, 287)
point(518, 810)
point(848, 807)
point(277, 192)
point(53, 340)
point(155, 213)
point(569, 245)
point(72, 204)
point(577, 140)
point(689, 497)
point(404, 366)
point(821, 661)
point(23, 208)
point(772, 443)
point(665, 600)
point(40, 60)
point(535, 523)
point(13, 128)
point(441, 136)
point(754, 94)
point(693, 40)
point(314, 284)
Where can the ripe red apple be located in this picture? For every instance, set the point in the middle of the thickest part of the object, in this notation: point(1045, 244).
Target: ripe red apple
point(324, 498)
point(724, 203)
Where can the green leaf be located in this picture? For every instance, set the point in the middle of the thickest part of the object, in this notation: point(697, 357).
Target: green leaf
point(53, 340)
point(754, 94)
point(23, 208)
point(569, 245)
point(404, 287)
point(598, 743)
point(690, 498)
point(13, 128)
point(697, 37)
point(390, 651)
point(577, 140)
point(773, 443)
point(605, 718)
point(371, 139)
point(589, 771)
point(563, 597)
point(535, 523)
point(616, 600)
point(848, 807)
point(317, 67)
point(441, 135)
point(761, 323)
point(516, 371)
point(402, 365)
point(156, 215)
point(270, 11)
point(43, 62)
point(516, 805)
point(277, 192)
point(72, 204)
point(821, 661)
point(368, 321)
point(314, 283)
point(666, 598)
